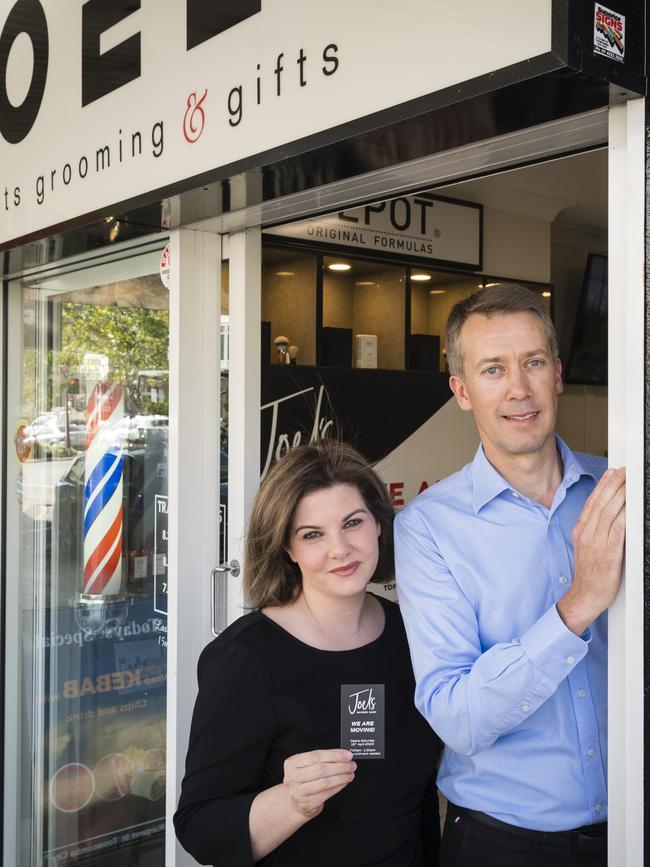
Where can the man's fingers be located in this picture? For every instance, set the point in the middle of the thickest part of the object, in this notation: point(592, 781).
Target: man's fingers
point(602, 494)
point(616, 538)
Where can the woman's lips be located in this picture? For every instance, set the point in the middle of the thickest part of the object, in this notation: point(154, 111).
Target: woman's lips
point(345, 571)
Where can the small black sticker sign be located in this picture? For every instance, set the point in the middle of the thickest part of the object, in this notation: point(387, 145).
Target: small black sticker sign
point(363, 715)
point(609, 33)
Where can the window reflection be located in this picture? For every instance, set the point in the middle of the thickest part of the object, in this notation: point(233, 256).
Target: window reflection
point(88, 693)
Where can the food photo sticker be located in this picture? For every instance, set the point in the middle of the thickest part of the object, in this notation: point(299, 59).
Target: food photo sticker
point(363, 712)
point(609, 33)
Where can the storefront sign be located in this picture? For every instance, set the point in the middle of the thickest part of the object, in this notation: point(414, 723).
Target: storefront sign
point(85, 123)
point(609, 33)
point(420, 227)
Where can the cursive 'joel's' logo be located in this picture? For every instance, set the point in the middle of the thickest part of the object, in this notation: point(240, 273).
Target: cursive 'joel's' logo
point(362, 703)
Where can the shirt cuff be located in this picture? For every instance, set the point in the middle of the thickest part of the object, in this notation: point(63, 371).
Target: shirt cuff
point(553, 648)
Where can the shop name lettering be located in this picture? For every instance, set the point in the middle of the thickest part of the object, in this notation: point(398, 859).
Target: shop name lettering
point(280, 443)
point(103, 72)
point(364, 702)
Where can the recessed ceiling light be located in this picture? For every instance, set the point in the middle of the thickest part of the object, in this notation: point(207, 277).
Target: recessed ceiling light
point(546, 294)
point(437, 292)
point(285, 273)
point(364, 283)
point(339, 266)
point(420, 278)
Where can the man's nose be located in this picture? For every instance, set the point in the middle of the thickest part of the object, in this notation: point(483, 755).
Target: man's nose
point(518, 386)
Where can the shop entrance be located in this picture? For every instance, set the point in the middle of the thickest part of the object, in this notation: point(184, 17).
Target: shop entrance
point(354, 334)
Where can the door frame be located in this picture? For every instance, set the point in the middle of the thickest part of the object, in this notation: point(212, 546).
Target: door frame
point(194, 462)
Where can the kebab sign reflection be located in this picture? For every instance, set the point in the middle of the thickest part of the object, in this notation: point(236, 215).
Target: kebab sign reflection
point(105, 670)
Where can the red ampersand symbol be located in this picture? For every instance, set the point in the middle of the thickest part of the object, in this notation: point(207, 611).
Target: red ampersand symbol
point(194, 119)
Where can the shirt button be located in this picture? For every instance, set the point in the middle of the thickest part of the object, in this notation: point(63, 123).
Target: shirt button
point(599, 808)
point(570, 660)
point(591, 752)
point(525, 708)
point(582, 693)
point(564, 579)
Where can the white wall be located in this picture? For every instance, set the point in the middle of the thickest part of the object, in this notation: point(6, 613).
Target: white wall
point(516, 245)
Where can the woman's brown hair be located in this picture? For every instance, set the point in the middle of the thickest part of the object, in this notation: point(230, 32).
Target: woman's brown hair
point(270, 577)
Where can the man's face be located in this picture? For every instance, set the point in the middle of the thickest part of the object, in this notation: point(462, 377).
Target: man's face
point(510, 382)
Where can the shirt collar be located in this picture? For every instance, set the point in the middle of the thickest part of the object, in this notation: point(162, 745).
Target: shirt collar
point(488, 483)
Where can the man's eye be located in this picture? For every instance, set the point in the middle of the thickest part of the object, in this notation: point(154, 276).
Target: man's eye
point(491, 371)
point(535, 362)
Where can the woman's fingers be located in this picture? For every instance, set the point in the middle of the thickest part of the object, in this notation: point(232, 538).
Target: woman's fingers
point(311, 778)
point(314, 756)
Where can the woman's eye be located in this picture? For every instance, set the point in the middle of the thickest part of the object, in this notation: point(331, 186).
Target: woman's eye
point(353, 522)
point(312, 534)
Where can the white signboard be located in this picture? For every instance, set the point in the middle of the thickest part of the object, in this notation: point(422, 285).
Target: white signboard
point(418, 227)
point(105, 101)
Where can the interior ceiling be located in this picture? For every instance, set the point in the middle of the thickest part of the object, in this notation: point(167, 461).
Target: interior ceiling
point(571, 191)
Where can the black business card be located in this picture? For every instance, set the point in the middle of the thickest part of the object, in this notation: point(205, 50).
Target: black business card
point(363, 713)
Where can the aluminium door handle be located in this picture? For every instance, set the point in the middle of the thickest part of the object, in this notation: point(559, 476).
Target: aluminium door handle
point(219, 595)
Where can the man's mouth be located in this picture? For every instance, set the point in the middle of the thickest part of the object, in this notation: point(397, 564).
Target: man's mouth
point(522, 417)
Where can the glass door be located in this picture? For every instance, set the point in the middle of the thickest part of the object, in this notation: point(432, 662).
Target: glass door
point(86, 577)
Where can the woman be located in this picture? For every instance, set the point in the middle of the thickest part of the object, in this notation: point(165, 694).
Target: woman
point(266, 778)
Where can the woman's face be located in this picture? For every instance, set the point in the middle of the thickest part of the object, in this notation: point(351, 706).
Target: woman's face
point(334, 539)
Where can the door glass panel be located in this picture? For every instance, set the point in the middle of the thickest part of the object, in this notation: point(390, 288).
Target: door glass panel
point(87, 497)
point(224, 384)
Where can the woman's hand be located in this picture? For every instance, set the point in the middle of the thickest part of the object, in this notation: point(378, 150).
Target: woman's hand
point(311, 778)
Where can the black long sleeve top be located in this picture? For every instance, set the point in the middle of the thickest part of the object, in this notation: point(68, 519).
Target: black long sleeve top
point(263, 696)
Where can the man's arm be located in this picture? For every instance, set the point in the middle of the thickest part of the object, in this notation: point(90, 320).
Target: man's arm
point(472, 697)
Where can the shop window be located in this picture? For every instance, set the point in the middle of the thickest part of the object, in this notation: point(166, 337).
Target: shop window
point(87, 569)
point(289, 281)
point(432, 295)
point(363, 313)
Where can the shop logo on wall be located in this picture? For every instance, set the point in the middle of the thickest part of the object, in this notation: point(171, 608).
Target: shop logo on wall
point(609, 33)
point(85, 78)
point(443, 231)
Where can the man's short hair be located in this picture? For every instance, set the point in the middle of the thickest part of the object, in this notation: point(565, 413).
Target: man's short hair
point(499, 300)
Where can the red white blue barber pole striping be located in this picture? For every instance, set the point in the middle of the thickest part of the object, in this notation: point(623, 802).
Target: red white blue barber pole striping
point(103, 519)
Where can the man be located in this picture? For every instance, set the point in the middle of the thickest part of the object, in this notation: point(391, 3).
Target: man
point(504, 572)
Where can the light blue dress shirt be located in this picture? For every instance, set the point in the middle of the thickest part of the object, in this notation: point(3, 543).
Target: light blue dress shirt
point(519, 700)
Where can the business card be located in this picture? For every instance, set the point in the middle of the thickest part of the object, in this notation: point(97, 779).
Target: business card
point(363, 719)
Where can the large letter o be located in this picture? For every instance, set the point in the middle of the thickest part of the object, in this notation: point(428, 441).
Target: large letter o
point(27, 16)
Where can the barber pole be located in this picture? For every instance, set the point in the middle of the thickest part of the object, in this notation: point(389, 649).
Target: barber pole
point(103, 518)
